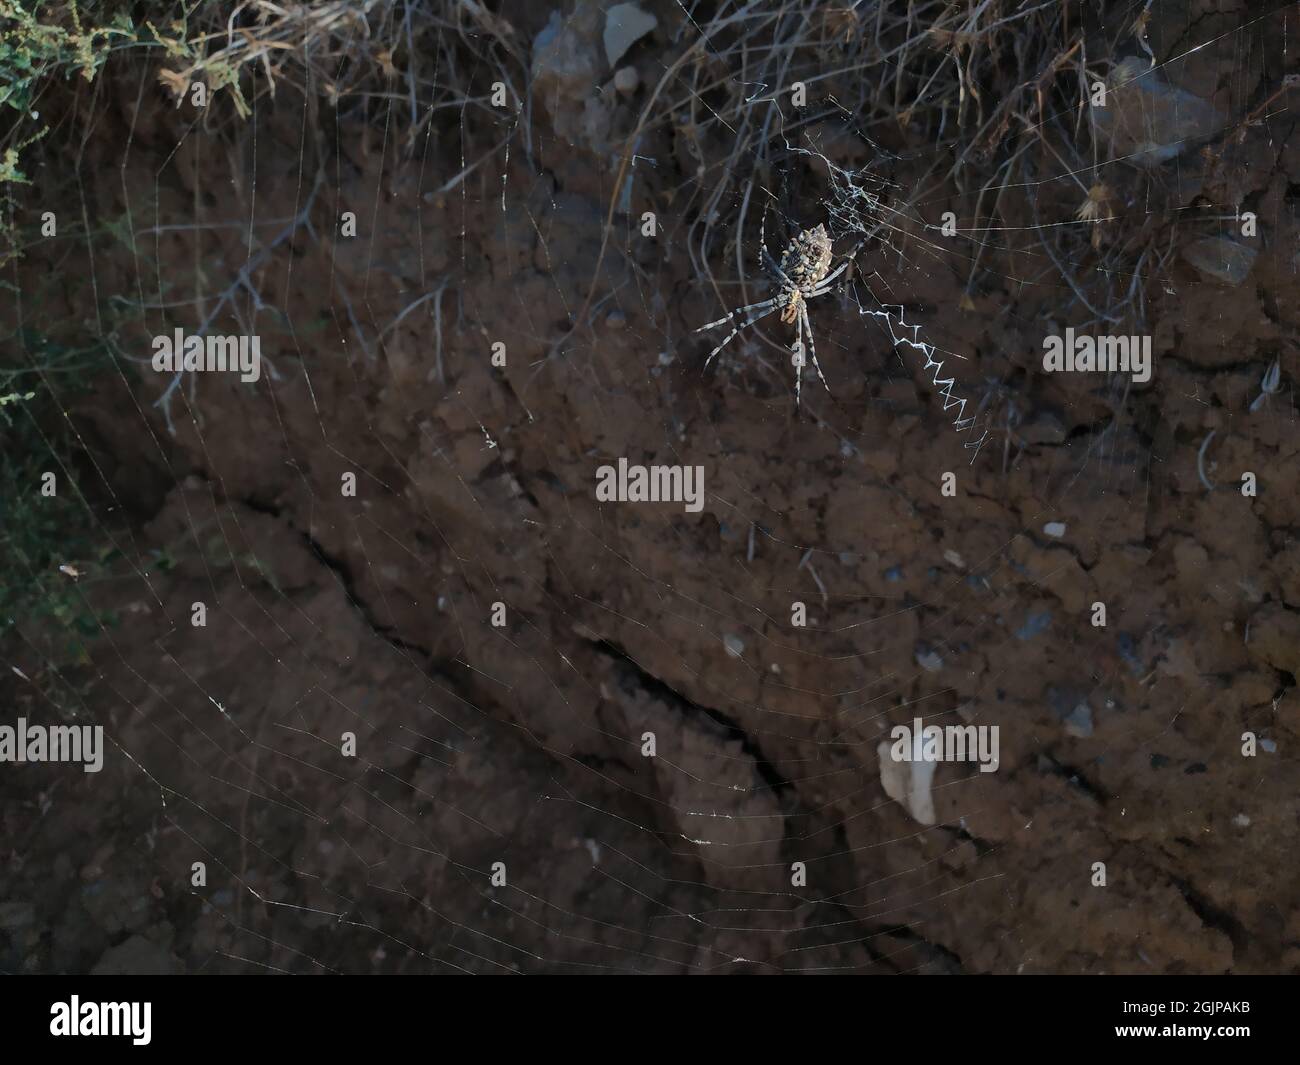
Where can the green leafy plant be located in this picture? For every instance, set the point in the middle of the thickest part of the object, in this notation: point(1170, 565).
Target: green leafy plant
point(47, 542)
point(49, 548)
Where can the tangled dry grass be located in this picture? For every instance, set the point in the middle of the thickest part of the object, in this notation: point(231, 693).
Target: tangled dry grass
point(997, 90)
point(349, 51)
point(1000, 89)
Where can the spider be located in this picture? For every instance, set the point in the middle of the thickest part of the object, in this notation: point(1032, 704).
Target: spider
point(803, 275)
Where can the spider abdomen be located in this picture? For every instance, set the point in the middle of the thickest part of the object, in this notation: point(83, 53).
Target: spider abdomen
point(808, 257)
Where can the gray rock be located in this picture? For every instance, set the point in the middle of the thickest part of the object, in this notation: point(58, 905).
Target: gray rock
point(1146, 120)
point(1074, 710)
point(1035, 624)
point(566, 69)
point(930, 661)
point(625, 24)
point(1045, 429)
point(1072, 707)
point(908, 784)
point(1221, 258)
point(1078, 722)
point(626, 80)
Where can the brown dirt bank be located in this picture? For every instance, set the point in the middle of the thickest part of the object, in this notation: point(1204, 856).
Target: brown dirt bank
point(522, 743)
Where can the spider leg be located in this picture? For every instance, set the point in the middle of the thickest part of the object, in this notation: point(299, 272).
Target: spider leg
point(799, 358)
point(775, 267)
point(762, 305)
point(826, 281)
point(806, 324)
point(823, 287)
point(748, 322)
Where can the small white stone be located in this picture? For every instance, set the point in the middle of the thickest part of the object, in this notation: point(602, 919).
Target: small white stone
point(1054, 528)
point(907, 783)
point(930, 661)
point(626, 80)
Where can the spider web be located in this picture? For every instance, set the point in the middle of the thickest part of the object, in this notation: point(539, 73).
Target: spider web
point(500, 812)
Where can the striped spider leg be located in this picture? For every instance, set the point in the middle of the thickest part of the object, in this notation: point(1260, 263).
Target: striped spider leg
point(760, 310)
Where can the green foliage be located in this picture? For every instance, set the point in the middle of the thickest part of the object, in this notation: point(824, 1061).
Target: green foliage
point(40, 41)
point(40, 534)
point(49, 547)
point(32, 48)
